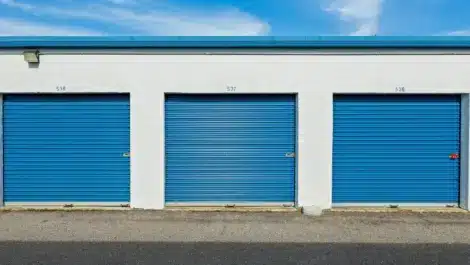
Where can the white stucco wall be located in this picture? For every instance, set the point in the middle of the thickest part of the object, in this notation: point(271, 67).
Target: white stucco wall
point(314, 77)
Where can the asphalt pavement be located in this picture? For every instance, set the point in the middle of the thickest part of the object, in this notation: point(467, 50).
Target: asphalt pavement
point(157, 237)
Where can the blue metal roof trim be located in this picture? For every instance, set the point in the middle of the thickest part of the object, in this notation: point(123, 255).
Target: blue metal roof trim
point(234, 42)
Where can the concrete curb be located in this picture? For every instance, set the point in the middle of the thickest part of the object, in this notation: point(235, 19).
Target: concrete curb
point(308, 211)
point(312, 211)
point(171, 209)
point(399, 210)
point(234, 209)
point(61, 209)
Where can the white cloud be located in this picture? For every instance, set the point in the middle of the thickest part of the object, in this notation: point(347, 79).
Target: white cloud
point(14, 27)
point(364, 15)
point(123, 2)
point(226, 22)
point(14, 3)
point(459, 33)
point(155, 19)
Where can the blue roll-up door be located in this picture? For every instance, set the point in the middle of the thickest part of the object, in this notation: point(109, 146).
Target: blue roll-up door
point(230, 149)
point(396, 149)
point(66, 149)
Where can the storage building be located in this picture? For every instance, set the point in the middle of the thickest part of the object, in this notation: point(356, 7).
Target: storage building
point(154, 122)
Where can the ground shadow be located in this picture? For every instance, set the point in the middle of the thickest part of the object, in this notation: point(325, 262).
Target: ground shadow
point(156, 253)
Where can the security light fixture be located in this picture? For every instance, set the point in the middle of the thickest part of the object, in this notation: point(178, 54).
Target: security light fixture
point(31, 56)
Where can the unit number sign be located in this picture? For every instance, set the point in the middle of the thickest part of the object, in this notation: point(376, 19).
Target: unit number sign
point(61, 88)
point(230, 88)
point(400, 89)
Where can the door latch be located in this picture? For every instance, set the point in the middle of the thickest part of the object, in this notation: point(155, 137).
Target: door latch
point(126, 154)
point(454, 156)
point(290, 154)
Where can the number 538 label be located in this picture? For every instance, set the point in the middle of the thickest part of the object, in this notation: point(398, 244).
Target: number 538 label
point(60, 88)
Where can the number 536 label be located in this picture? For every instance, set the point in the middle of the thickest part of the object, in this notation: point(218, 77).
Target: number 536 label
point(400, 89)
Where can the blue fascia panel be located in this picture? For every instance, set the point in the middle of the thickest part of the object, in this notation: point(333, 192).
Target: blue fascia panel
point(234, 42)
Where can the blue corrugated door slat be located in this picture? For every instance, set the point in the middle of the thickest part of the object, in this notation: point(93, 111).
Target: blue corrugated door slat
point(396, 149)
point(230, 148)
point(66, 148)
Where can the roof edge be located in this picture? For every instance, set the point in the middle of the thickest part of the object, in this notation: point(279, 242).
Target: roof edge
point(19, 42)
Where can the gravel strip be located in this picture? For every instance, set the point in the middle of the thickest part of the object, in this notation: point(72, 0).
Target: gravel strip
point(175, 226)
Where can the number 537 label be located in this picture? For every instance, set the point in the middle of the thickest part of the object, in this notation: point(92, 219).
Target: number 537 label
point(230, 88)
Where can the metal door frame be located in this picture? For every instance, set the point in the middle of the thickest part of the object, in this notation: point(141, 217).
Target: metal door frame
point(464, 183)
point(249, 204)
point(54, 204)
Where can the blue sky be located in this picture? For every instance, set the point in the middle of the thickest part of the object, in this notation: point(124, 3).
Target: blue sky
point(235, 17)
